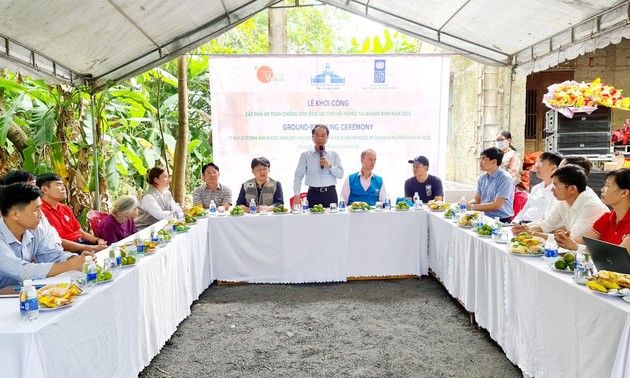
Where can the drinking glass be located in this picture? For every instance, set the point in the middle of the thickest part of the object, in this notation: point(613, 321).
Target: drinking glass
point(221, 210)
point(79, 280)
point(333, 207)
point(263, 210)
point(297, 208)
point(379, 205)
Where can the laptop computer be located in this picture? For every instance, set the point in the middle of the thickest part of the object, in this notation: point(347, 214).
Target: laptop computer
point(608, 256)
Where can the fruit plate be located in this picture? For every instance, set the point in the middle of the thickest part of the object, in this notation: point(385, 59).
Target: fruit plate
point(280, 212)
point(529, 254)
point(483, 236)
point(104, 281)
point(566, 271)
point(627, 298)
point(44, 308)
point(128, 266)
point(617, 294)
point(317, 212)
point(399, 209)
point(201, 216)
point(237, 215)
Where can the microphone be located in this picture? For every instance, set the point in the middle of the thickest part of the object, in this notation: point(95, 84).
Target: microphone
point(321, 155)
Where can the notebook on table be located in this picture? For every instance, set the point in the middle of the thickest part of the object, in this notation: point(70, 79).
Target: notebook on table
point(608, 256)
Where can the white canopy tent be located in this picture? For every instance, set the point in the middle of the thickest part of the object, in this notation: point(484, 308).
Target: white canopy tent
point(99, 41)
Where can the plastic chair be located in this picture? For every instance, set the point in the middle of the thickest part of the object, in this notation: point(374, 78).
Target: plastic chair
point(94, 217)
point(302, 196)
point(520, 199)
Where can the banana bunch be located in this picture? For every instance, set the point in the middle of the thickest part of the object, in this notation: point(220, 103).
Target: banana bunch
point(438, 205)
point(468, 220)
point(196, 210)
point(610, 282)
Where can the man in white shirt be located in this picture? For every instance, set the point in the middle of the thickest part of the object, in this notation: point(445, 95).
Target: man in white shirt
point(577, 208)
point(364, 186)
point(540, 200)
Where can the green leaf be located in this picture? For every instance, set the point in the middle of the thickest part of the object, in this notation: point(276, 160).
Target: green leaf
point(46, 130)
point(137, 163)
point(113, 177)
point(11, 86)
point(29, 158)
point(192, 145)
point(7, 119)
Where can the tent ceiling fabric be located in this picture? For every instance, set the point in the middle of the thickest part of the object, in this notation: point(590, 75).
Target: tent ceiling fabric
point(99, 41)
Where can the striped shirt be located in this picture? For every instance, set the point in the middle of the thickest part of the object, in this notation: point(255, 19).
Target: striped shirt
point(203, 195)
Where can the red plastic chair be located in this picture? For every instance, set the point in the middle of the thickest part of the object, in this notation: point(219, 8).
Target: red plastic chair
point(94, 217)
point(520, 199)
point(302, 196)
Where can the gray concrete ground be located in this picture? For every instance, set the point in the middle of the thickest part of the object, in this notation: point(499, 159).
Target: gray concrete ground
point(396, 328)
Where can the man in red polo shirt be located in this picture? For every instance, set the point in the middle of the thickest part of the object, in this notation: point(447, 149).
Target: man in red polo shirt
point(61, 217)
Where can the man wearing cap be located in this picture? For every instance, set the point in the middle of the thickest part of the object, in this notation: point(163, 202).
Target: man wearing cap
point(265, 191)
point(364, 186)
point(427, 186)
point(495, 187)
point(321, 167)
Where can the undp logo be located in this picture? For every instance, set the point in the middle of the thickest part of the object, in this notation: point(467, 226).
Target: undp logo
point(264, 74)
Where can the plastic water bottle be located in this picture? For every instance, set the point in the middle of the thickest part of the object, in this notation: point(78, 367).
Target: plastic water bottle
point(496, 228)
point(213, 208)
point(304, 205)
point(137, 241)
point(252, 206)
point(551, 250)
point(462, 206)
point(114, 253)
point(154, 235)
point(342, 205)
point(388, 203)
point(581, 269)
point(89, 268)
point(29, 307)
point(417, 203)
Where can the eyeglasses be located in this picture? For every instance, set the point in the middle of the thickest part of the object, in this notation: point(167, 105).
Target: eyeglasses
point(260, 169)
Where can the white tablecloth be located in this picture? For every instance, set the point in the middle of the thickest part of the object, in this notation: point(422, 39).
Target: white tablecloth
point(115, 330)
point(545, 323)
point(318, 247)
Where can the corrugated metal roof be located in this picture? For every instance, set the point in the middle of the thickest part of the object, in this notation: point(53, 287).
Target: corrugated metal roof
point(109, 40)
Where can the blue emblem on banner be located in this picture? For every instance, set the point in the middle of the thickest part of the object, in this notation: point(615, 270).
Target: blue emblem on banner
point(379, 71)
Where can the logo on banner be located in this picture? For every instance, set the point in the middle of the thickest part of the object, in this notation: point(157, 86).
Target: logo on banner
point(264, 74)
point(379, 71)
point(328, 78)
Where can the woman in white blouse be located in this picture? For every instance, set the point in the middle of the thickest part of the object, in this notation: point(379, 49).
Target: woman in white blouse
point(157, 201)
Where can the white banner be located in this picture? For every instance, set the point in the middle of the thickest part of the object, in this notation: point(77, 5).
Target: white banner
point(267, 105)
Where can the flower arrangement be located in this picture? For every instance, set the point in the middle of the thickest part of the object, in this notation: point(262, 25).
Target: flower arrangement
point(570, 97)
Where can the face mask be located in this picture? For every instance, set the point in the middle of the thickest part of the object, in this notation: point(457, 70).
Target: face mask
point(501, 144)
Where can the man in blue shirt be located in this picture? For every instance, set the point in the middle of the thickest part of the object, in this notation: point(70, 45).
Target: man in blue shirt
point(427, 186)
point(321, 167)
point(495, 187)
point(26, 251)
point(364, 186)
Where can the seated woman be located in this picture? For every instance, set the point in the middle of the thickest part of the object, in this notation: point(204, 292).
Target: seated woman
point(120, 223)
point(157, 202)
point(262, 189)
point(614, 226)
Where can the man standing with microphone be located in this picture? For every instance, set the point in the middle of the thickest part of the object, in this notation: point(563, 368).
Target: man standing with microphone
point(322, 168)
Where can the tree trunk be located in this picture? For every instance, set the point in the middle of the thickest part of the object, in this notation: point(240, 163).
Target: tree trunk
point(278, 29)
point(178, 183)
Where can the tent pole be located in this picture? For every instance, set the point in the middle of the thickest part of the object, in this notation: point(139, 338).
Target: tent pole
point(97, 183)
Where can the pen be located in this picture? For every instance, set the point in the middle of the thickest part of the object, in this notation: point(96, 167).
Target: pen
point(37, 287)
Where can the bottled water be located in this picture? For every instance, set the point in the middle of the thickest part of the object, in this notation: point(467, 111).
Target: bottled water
point(29, 307)
point(496, 228)
point(388, 203)
point(304, 205)
point(89, 268)
point(114, 253)
point(139, 243)
point(417, 202)
point(154, 235)
point(212, 208)
point(252, 207)
point(583, 269)
point(551, 250)
point(462, 206)
point(342, 205)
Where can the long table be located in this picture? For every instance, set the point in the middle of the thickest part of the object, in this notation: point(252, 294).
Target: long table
point(117, 328)
point(546, 324)
point(299, 248)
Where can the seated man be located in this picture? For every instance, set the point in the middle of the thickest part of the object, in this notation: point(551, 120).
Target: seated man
point(541, 198)
point(427, 186)
point(27, 177)
point(26, 252)
point(61, 217)
point(364, 186)
point(212, 190)
point(495, 187)
point(576, 211)
point(264, 190)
